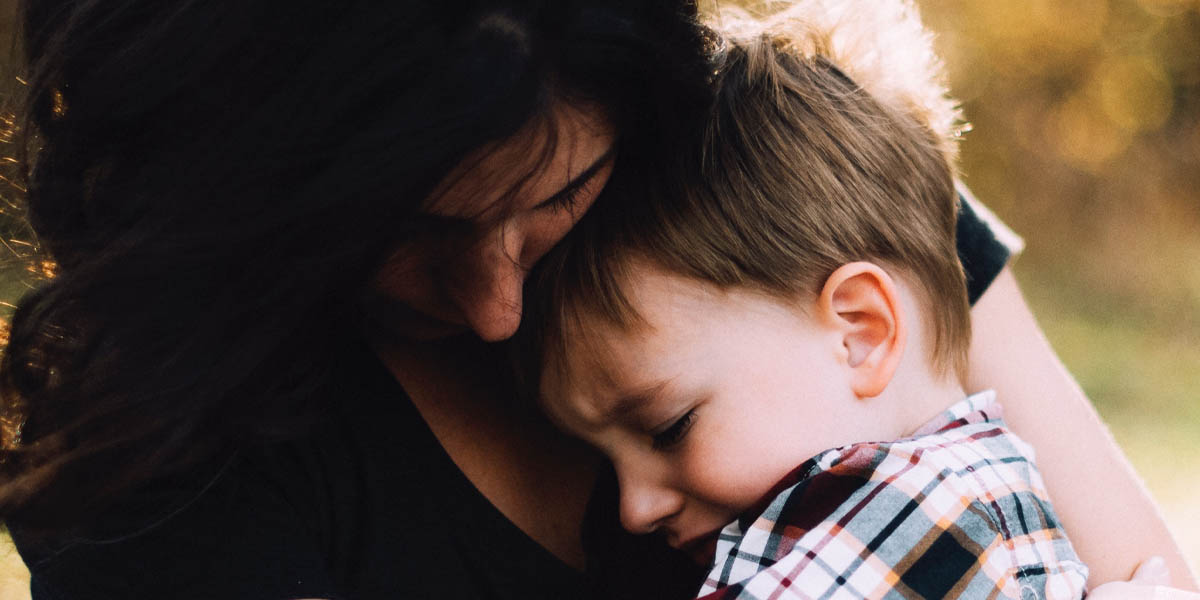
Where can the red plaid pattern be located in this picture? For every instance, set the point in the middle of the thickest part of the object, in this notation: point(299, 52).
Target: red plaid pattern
point(958, 510)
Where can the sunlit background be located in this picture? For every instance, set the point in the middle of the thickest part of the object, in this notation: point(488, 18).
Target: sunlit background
point(1086, 140)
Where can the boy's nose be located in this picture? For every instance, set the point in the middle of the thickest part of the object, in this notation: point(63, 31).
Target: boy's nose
point(646, 506)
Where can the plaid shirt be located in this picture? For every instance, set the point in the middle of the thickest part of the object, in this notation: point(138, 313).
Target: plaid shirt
point(957, 510)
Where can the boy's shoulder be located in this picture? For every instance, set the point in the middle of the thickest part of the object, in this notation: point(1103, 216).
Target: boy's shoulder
point(956, 509)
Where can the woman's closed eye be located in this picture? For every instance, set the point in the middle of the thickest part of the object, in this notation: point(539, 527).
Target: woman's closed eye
point(568, 197)
point(565, 200)
point(675, 432)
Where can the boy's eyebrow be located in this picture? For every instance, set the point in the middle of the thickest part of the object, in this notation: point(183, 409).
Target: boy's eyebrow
point(581, 179)
point(628, 402)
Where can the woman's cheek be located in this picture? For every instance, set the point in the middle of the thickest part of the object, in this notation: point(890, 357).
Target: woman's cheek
point(543, 233)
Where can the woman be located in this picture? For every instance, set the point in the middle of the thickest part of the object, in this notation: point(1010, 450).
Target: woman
point(235, 192)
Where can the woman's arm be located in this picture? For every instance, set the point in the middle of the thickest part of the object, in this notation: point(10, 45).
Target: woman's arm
point(1104, 507)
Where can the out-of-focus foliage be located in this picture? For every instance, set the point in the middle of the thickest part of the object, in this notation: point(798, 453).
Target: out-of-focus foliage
point(1086, 140)
point(1087, 137)
point(19, 269)
point(14, 273)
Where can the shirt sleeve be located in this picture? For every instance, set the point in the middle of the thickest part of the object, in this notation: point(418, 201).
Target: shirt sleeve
point(985, 243)
point(238, 538)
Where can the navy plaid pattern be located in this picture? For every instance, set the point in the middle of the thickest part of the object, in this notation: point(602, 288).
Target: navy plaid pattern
point(957, 510)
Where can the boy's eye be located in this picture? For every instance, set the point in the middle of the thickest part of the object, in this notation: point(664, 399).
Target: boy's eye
point(674, 433)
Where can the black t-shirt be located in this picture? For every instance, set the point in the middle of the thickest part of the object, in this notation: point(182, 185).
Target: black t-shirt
point(368, 506)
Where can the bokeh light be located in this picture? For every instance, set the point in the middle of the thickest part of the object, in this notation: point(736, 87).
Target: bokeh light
point(1087, 142)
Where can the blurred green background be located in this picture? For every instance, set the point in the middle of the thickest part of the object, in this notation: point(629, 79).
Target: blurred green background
point(1086, 140)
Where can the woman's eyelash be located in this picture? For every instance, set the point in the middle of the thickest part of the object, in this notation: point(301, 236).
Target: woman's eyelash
point(674, 433)
point(567, 199)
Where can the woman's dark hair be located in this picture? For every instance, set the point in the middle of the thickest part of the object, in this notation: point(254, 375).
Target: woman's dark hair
point(218, 181)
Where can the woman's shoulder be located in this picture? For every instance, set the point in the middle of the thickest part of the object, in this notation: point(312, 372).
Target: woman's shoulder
point(985, 243)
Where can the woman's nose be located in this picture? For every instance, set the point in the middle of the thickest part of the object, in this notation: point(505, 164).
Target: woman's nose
point(647, 505)
point(489, 297)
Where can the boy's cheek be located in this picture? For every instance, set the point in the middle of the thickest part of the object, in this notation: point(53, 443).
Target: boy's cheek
point(726, 482)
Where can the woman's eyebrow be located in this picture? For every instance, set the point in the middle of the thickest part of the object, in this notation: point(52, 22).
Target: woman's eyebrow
point(580, 180)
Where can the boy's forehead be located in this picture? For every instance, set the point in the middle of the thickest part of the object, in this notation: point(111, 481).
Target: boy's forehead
point(580, 406)
point(673, 314)
point(594, 357)
point(597, 375)
point(603, 357)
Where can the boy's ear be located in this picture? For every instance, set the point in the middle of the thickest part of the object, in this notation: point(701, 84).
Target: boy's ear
point(863, 303)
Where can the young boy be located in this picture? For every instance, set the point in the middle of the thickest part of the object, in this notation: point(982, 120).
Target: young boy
point(771, 351)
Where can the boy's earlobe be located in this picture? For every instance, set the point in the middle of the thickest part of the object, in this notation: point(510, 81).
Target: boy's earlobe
point(865, 305)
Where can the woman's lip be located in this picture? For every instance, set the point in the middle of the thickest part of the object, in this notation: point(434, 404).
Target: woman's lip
point(701, 548)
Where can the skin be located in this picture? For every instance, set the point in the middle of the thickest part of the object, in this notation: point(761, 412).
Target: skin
point(719, 394)
point(494, 224)
point(450, 297)
point(1149, 582)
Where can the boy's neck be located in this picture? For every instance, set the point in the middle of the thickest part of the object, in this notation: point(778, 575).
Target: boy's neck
point(918, 391)
point(917, 395)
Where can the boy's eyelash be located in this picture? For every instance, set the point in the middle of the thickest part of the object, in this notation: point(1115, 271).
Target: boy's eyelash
point(673, 434)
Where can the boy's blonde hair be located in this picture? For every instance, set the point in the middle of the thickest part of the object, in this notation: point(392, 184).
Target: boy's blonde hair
point(818, 152)
point(880, 44)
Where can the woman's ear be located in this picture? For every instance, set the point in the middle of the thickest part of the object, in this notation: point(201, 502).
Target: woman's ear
point(863, 304)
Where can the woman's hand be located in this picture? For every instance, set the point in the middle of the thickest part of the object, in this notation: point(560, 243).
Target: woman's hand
point(1149, 582)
